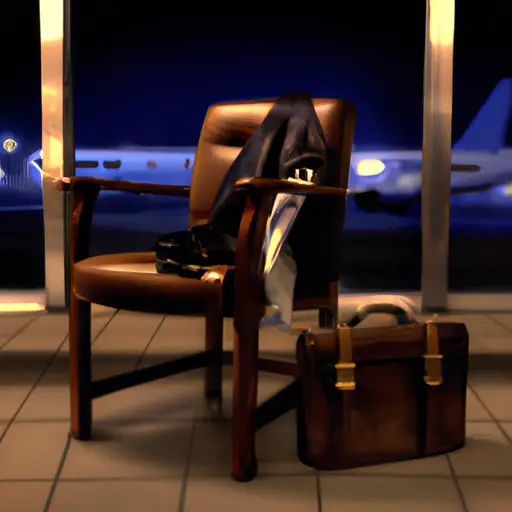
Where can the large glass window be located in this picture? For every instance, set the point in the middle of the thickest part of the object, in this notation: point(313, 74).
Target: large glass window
point(148, 83)
point(481, 221)
point(21, 220)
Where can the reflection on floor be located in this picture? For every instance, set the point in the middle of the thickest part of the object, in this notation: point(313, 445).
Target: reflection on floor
point(156, 451)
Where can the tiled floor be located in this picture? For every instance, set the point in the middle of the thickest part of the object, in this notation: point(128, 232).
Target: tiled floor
point(155, 450)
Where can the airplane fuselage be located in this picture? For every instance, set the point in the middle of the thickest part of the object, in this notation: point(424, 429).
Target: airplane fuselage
point(395, 173)
point(401, 170)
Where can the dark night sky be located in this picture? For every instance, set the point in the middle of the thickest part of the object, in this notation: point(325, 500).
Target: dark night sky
point(145, 76)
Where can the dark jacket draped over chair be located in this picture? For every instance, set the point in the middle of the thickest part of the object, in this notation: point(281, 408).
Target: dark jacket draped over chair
point(289, 145)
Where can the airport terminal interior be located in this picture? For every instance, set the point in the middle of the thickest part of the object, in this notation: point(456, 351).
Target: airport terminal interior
point(155, 447)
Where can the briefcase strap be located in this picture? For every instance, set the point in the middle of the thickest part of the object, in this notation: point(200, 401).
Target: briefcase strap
point(345, 367)
point(433, 359)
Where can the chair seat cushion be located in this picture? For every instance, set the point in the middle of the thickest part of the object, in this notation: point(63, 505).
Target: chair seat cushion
point(130, 281)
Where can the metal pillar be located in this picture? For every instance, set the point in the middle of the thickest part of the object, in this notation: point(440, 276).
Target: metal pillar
point(58, 141)
point(437, 125)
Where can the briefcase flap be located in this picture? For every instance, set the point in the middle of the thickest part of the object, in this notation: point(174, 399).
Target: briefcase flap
point(345, 347)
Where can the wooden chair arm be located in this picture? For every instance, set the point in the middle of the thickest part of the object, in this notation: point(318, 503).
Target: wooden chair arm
point(133, 187)
point(271, 185)
point(84, 194)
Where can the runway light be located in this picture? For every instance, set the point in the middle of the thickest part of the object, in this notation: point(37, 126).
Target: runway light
point(9, 145)
point(370, 167)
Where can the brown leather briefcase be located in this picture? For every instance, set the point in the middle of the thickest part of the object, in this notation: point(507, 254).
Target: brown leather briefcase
point(376, 395)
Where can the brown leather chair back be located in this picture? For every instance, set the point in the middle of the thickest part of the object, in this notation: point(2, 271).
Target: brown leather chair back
point(227, 127)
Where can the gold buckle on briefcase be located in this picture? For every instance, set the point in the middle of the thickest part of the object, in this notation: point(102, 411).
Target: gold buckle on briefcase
point(345, 374)
point(433, 359)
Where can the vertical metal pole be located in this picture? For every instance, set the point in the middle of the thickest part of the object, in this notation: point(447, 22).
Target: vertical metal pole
point(69, 135)
point(437, 124)
point(57, 134)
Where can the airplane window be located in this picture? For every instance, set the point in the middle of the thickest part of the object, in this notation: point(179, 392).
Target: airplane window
point(114, 164)
point(86, 164)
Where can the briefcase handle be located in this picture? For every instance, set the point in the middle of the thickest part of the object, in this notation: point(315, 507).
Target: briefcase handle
point(402, 315)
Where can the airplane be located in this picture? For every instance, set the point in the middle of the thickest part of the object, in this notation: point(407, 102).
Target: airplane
point(482, 158)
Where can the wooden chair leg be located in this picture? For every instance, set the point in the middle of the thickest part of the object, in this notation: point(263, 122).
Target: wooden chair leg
point(245, 395)
point(213, 375)
point(80, 367)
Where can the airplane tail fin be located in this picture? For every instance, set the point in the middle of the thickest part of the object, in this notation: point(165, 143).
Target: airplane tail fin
point(488, 130)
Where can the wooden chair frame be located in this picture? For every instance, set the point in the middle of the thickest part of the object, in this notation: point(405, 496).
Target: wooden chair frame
point(248, 312)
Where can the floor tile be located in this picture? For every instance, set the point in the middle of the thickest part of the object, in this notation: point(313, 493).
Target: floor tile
point(475, 411)
point(495, 391)
point(507, 427)
point(479, 325)
point(275, 448)
point(505, 319)
point(31, 451)
point(178, 335)
point(381, 494)
point(45, 334)
point(127, 333)
point(22, 369)
point(428, 466)
point(185, 335)
point(11, 324)
point(98, 324)
point(11, 398)
point(491, 345)
point(23, 365)
point(167, 399)
point(50, 400)
point(24, 496)
point(176, 397)
point(47, 402)
point(487, 495)
point(138, 451)
point(271, 494)
point(276, 443)
point(116, 496)
point(487, 453)
point(268, 385)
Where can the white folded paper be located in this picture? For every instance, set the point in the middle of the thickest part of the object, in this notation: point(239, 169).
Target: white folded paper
point(280, 270)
